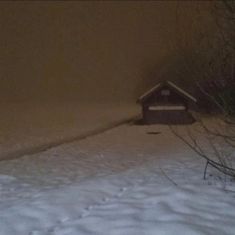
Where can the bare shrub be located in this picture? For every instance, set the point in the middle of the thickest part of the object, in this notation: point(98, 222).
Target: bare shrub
point(211, 65)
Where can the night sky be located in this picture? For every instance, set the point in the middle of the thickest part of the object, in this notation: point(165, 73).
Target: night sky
point(90, 50)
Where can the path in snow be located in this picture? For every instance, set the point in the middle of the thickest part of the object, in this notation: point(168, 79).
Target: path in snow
point(115, 183)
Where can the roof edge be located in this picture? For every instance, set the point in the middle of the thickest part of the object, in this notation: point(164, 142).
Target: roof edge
point(173, 85)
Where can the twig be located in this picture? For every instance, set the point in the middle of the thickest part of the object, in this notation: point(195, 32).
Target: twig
point(220, 167)
point(171, 180)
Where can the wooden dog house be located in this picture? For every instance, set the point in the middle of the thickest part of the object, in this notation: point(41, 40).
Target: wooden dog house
point(166, 103)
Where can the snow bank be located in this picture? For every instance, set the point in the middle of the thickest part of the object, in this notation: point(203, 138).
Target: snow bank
point(30, 127)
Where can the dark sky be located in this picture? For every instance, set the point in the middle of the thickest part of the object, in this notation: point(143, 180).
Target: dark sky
point(86, 50)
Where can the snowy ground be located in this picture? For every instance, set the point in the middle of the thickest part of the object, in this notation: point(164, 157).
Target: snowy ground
point(121, 182)
point(29, 127)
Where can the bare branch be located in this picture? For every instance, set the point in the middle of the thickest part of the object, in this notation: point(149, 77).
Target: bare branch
point(222, 166)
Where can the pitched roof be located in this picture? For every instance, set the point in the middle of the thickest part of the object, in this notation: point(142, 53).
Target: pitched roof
point(172, 85)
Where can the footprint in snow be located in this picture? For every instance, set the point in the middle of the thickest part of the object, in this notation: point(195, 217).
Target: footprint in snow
point(84, 214)
point(105, 199)
point(122, 190)
point(35, 232)
point(64, 220)
point(89, 208)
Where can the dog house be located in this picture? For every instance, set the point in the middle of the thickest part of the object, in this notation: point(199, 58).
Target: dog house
point(166, 103)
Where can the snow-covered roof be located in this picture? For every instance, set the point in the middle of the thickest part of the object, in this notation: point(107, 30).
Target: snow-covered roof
point(171, 84)
point(182, 91)
point(147, 93)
